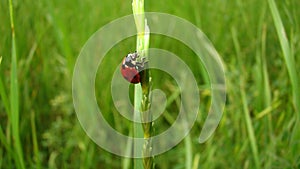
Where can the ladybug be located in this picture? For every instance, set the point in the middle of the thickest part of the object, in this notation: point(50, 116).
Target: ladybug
point(131, 68)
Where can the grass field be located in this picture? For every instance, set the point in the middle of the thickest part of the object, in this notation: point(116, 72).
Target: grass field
point(259, 42)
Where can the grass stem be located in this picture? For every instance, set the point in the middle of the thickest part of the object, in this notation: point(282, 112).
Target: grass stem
point(143, 105)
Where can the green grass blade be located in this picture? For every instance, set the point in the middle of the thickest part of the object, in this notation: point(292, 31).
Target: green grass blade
point(35, 141)
point(137, 127)
point(188, 152)
point(288, 57)
point(61, 36)
point(14, 95)
point(266, 83)
point(250, 130)
point(6, 145)
point(5, 101)
point(291, 67)
point(141, 92)
point(126, 161)
point(4, 97)
point(3, 140)
point(267, 99)
point(196, 161)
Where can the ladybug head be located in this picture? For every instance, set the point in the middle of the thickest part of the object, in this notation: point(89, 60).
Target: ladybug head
point(133, 56)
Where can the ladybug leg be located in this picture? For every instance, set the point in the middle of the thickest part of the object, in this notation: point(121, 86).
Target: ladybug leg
point(141, 65)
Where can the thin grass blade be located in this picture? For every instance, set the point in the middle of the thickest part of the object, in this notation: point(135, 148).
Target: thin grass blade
point(14, 96)
point(291, 67)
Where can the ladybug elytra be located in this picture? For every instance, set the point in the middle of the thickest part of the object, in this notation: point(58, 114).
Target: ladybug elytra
point(130, 68)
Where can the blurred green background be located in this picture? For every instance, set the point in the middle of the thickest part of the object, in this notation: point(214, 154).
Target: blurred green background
point(259, 124)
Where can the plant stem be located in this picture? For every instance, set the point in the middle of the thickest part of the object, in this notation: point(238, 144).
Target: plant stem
point(145, 102)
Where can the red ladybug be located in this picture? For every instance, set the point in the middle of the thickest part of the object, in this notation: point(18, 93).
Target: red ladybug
point(130, 68)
